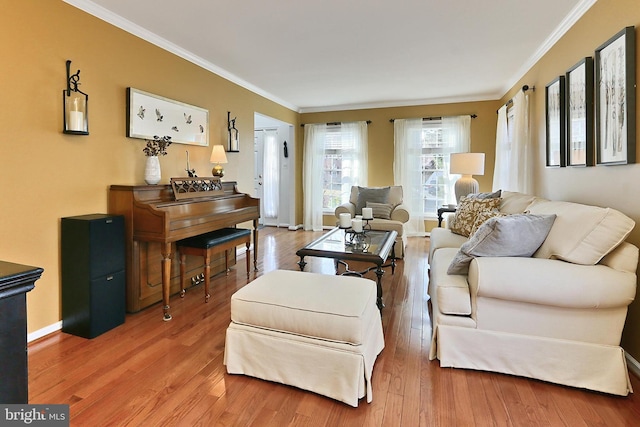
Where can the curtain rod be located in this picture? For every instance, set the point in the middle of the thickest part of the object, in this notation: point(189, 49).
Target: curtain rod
point(334, 123)
point(473, 116)
point(524, 89)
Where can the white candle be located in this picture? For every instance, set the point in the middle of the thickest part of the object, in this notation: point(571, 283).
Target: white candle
point(356, 224)
point(367, 213)
point(76, 120)
point(345, 220)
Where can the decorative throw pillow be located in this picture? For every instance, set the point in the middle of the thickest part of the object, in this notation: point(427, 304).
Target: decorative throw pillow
point(371, 194)
point(467, 211)
point(483, 217)
point(518, 235)
point(380, 210)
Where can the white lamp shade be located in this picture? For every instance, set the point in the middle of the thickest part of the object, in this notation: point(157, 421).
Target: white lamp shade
point(218, 154)
point(467, 163)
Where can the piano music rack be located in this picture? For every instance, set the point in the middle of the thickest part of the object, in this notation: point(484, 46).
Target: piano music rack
point(191, 188)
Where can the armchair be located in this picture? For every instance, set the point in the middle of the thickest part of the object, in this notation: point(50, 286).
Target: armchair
point(388, 211)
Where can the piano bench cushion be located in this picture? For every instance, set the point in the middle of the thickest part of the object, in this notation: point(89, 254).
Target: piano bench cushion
point(214, 238)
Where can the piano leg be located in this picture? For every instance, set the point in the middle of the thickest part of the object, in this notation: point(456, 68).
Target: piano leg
point(166, 280)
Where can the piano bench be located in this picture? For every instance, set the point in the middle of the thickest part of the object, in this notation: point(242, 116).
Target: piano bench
point(205, 245)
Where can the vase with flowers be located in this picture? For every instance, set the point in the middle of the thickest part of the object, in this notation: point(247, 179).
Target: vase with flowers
point(153, 149)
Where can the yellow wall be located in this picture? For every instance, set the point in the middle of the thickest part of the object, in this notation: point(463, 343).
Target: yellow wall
point(380, 137)
point(46, 174)
point(612, 186)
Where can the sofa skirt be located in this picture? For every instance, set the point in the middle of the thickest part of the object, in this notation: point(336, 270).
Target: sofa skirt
point(577, 364)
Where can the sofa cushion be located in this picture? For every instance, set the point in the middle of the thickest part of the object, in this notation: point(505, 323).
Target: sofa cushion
point(581, 234)
point(468, 210)
point(371, 194)
point(513, 202)
point(518, 235)
point(380, 210)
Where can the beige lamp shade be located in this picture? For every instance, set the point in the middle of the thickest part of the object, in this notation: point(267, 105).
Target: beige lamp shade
point(218, 156)
point(466, 164)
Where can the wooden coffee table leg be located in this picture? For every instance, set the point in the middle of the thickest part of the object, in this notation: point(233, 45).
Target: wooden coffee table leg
point(379, 273)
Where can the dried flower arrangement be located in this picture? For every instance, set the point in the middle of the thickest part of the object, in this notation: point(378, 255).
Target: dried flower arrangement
point(157, 147)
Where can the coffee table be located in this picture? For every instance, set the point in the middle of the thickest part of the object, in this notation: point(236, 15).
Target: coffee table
point(342, 245)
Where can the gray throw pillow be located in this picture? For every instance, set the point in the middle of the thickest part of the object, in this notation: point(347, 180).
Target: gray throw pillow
point(495, 195)
point(518, 235)
point(371, 194)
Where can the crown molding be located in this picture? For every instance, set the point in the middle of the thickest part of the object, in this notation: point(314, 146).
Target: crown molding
point(576, 13)
point(132, 28)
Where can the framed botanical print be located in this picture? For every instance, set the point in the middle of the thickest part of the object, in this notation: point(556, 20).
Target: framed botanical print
point(579, 104)
point(555, 121)
point(615, 80)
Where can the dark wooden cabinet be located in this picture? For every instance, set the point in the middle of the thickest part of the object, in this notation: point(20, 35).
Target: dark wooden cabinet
point(93, 274)
point(15, 281)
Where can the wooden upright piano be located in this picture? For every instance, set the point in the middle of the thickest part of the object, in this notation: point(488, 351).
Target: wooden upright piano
point(156, 216)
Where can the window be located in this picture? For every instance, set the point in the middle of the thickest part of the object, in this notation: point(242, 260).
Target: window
point(438, 183)
point(421, 164)
point(341, 166)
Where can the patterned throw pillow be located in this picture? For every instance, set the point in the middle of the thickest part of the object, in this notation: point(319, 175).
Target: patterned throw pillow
point(380, 210)
point(483, 217)
point(467, 211)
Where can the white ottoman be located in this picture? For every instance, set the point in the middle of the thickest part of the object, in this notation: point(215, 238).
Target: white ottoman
point(313, 331)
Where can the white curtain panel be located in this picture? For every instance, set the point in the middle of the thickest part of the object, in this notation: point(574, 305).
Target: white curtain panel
point(513, 168)
point(312, 171)
point(456, 135)
point(354, 152)
point(407, 171)
point(271, 174)
point(503, 151)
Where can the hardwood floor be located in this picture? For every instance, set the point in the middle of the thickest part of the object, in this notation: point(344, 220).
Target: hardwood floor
point(148, 372)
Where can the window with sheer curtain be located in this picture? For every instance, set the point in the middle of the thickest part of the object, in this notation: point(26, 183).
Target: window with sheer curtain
point(421, 163)
point(335, 159)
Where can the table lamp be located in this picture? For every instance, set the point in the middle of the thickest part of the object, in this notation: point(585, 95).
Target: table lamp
point(218, 156)
point(466, 164)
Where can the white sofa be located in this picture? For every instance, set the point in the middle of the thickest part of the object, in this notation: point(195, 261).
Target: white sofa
point(556, 316)
point(398, 215)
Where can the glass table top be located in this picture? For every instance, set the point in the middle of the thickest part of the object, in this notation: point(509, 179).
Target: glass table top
point(343, 241)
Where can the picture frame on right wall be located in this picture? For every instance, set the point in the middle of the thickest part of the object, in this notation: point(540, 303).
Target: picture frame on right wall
point(615, 80)
point(579, 82)
point(555, 122)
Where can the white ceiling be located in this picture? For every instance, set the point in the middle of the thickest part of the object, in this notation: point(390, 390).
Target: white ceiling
point(343, 54)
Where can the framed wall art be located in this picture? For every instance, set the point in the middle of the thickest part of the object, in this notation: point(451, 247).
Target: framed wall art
point(149, 115)
point(615, 80)
point(579, 103)
point(555, 121)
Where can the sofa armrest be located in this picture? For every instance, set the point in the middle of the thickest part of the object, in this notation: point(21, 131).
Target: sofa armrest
point(400, 213)
point(550, 282)
point(347, 207)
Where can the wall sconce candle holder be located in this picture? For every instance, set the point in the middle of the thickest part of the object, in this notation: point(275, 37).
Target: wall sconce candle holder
point(234, 136)
point(75, 105)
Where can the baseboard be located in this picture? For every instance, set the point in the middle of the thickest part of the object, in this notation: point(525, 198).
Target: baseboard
point(633, 364)
point(44, 331)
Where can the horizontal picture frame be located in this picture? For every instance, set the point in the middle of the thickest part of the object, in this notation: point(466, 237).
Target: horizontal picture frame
point(149, 115)
point(580, 118)
point(615, 99)
point(555, 122)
